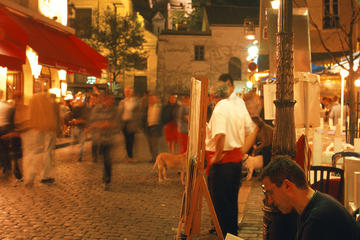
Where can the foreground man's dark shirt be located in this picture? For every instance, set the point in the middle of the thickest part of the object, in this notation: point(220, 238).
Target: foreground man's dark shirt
point(325, 218)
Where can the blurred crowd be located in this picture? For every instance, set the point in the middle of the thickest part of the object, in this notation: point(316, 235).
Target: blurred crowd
point(28, 133)
point(331, 110)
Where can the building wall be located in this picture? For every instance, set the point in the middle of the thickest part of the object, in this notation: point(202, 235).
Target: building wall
point(330, 36)
point(316, 12)
point(176, 64)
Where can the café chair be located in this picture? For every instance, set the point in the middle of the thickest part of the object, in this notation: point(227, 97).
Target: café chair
point(340, 155)
point(325, 184)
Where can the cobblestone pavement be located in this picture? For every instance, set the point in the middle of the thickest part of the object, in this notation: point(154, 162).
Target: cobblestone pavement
point(76, 206)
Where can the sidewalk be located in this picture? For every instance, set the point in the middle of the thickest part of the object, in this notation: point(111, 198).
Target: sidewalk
point(152, 209)
point(63, 142)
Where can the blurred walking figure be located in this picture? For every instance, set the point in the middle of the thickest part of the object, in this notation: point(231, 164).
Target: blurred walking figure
point(335, 111)
point(183, 122)
point(128, 117)
point(6, 127)
point(168, 118)
point(21, 124)
point(153, 125)
point(80, 116)
point(102, 124)
point(94, 102)
point(39, 141)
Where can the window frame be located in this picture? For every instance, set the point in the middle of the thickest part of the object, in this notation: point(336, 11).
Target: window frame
point(199, 52)
point(330, 19)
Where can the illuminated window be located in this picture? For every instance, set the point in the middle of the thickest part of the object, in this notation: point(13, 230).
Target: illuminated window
point(199, 53)
point(91, 80)
point(331, 14)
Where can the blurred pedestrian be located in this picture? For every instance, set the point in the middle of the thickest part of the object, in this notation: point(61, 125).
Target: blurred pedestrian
point(128, 115)
point(153, 125)
point(80, 117)
point(6, 127)
point(102, 124)
point(168, 118)
point(94, 104)
point(335, 111)
point(183, 122)
point(21, 124)
point(39, 141)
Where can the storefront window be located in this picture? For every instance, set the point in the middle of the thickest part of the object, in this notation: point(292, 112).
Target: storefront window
point(13, 84)
point(43, 81)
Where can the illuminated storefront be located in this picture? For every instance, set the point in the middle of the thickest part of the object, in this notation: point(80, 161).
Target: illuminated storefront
point(37, 52)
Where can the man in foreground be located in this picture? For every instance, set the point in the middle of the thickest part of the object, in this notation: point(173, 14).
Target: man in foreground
point(320, 216)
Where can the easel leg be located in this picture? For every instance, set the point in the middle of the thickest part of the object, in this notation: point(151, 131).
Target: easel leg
point(211, 208)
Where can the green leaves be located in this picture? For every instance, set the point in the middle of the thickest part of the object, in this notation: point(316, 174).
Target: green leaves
point(121, 38)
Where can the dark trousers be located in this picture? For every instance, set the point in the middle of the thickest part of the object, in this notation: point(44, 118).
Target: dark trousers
point(95, 150)
point(224, 182)
point(105, 150)
point(5, 159)
point(129, 141)
point(153, 134)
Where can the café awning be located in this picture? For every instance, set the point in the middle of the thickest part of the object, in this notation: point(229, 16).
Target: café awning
point(11, 56)
point(13, 42)
point(57, 48)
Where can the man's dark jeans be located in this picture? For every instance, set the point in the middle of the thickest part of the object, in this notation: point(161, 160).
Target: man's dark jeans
point(105, 150)
point(224, 182)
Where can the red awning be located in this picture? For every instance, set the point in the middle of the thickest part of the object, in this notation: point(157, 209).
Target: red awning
point(11, 56)
point(59, 49)
point(13, 42)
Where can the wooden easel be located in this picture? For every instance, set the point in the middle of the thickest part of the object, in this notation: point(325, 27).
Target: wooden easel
point(196, 187)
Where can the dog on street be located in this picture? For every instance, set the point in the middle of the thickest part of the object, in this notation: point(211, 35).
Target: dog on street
point(169, 160)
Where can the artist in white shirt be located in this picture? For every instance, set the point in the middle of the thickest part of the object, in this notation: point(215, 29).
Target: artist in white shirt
point(230, 133)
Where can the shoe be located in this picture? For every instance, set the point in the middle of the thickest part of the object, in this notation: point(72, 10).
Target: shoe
point(212, 230)
point(182, 236)
point(129, 160)
point(29, 184)
point(80, 159)
point(107, 187)
point(48, 180)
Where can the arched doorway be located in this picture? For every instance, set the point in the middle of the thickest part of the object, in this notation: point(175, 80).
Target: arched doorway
point(235, 68)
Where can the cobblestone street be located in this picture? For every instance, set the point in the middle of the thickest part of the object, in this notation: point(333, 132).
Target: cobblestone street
point(136, 206)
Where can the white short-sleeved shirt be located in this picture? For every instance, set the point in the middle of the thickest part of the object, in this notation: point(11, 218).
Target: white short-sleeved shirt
point(236, 99)
point(231, 119)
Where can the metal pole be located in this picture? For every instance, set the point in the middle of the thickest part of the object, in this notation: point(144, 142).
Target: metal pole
point(357, 115)
point(278, 226)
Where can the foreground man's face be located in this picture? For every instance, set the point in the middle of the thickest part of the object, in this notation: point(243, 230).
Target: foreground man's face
point(277, 196)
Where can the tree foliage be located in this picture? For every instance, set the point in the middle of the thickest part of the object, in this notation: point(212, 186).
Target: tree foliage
point(121, 39)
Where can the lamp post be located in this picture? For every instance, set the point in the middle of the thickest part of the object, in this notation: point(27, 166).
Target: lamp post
point(277, 225)
point(357, 129)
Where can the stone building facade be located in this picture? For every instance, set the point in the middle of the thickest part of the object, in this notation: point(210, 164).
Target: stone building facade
point(220, 48)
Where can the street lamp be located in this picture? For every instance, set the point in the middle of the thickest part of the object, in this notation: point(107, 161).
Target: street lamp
point(275, 4)
point(277, 225)
point(249, 26)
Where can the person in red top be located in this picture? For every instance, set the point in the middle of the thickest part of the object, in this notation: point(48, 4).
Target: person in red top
point(230, 133)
